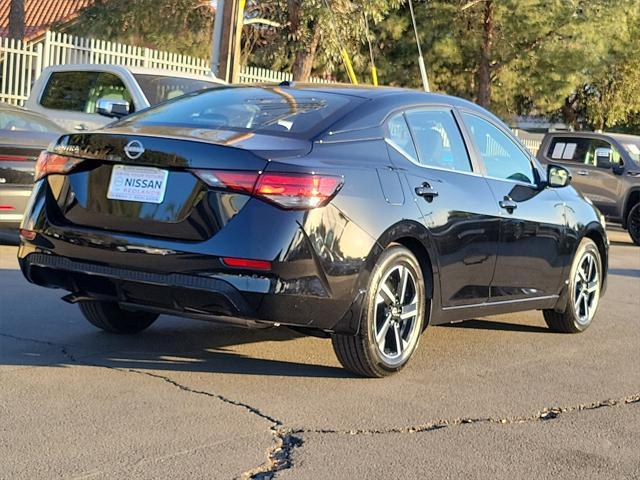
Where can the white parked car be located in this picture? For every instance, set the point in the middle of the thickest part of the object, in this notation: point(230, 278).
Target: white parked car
point(84, 97)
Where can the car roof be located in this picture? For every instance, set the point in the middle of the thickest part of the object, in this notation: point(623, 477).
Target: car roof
point(133, 70)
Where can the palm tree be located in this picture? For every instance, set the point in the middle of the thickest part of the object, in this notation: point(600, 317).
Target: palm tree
point(16, 19)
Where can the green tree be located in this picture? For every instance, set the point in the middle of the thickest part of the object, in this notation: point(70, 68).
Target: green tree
point(180, 26)
point(515, 56)
point(307, 25)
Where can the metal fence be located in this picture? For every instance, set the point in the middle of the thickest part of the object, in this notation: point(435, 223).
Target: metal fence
point(21, 63)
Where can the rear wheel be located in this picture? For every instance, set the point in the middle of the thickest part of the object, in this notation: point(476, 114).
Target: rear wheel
point(110, 317)
point(633, 224)
point(583, 292)
point(393, 320)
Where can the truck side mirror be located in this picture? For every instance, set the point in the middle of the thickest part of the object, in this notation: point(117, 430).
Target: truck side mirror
point(112, 108)
point(603, 157)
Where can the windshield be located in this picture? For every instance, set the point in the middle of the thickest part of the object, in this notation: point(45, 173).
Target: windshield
point(159, 88)
point(249, 109)
point(23, 121)
point(633, 149)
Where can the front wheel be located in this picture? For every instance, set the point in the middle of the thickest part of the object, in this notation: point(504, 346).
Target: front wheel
point(393, 320)
point(583, 293)
point(633, 224)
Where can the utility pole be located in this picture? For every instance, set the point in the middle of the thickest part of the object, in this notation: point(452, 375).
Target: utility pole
point(423, 69)
point(227, 33)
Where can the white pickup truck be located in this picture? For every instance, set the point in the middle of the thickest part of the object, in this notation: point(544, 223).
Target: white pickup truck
point(84, 97)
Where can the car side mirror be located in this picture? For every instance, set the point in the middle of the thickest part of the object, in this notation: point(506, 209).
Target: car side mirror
point(603, 157)
point(618, 168)
point(557, 176)
point(112, 108)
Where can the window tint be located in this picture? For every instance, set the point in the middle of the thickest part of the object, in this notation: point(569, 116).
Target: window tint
point(501, 155)
point(580, 150)
point(400, 136)
point(438, 139)
point(250, 109)
point(80, 91)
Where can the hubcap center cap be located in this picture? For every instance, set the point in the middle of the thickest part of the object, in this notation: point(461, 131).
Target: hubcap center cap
point(396, 311)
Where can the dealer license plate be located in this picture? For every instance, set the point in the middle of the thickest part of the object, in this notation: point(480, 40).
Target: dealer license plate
point(137, 184)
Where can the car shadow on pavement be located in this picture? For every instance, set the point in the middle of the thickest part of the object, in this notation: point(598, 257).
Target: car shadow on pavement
point(625, 272)
point(491, 325)
point(181, 349)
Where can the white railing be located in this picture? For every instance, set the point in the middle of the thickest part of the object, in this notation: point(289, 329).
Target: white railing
point(22, 63)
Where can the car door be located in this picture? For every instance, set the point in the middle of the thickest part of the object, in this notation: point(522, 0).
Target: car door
point(455, 201)
point(531, 258)
point(70, 97)
point(594, 179)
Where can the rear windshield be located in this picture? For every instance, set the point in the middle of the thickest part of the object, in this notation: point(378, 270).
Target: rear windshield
point(274, 110)
point(160, 88)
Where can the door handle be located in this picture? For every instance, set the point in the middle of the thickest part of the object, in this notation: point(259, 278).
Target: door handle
point(508, 204)
point(80, 126)
point(582, 172)
point(426, 191)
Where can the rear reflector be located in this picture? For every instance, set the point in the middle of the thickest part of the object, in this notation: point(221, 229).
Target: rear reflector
point(14, 158)
point(6, 208)
point(246, 263)
point(49, 163)
point(287, 190)
point(27, 234)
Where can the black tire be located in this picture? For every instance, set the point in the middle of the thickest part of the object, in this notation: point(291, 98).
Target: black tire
point(633, 223)
point(575, 319)
point(361, 353)
point(110, 317)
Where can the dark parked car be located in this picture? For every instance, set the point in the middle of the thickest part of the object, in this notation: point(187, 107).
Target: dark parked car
point(23, 135)
point(359, 214)
point(605, 167)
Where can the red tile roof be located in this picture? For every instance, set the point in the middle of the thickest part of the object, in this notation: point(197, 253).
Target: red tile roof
point(39, 14)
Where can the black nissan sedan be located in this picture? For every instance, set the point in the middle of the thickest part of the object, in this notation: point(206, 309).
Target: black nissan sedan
point(361, 215)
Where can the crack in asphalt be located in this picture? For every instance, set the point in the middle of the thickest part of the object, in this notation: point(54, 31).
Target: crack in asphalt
point(543, 415)
point(286, 440)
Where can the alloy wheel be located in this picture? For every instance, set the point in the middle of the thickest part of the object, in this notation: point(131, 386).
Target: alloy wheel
point(586, 288)
point(633, 224)
point(396, 325)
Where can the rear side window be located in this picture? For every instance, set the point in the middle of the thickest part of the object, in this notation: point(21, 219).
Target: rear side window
point(283, 111)
point(399, 136)
point(438, 139)
point(80, 91)
point(22, 121)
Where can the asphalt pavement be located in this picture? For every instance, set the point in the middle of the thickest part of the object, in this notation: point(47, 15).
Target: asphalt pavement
point(500, 397)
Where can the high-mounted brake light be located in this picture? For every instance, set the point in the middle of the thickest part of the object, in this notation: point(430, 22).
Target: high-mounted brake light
point(49, 163)
point(293, 191)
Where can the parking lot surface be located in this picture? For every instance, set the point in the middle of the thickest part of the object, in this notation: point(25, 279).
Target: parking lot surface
point(499, 397)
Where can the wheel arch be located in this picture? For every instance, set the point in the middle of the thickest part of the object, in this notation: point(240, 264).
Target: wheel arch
point(633, 198)
point(595, 232)
point(416, 238)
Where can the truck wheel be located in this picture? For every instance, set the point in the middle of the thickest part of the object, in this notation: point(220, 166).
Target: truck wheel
point(110, 317)
point(393, 320)
point(583, 292)
point(633, 224)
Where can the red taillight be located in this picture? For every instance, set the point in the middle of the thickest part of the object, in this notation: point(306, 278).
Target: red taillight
point(14, 158)
point(297, 191)
point(238, 181)
point(287, 190)
point(246, 263)
point(49, 163)
point(7, 208)
point(27, 234)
